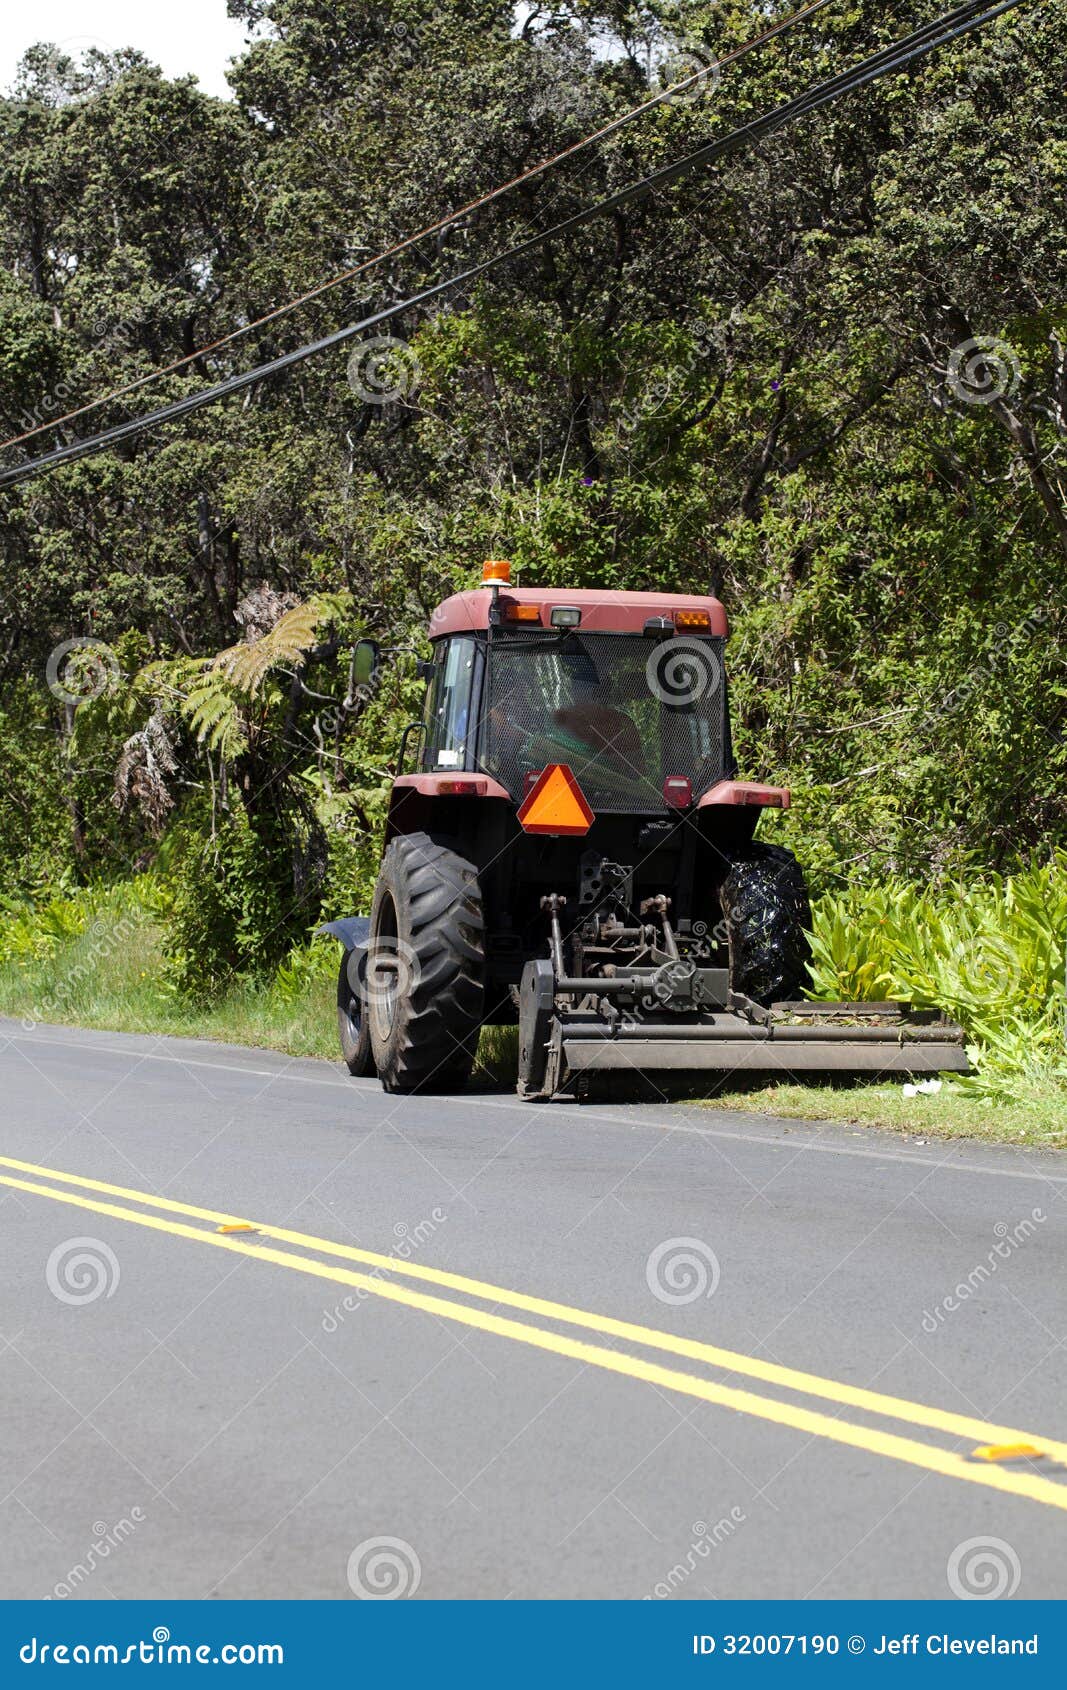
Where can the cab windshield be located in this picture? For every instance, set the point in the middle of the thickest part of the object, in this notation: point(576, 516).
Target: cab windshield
point(623, 711)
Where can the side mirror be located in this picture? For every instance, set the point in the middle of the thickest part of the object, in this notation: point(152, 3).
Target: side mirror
point(365, 660)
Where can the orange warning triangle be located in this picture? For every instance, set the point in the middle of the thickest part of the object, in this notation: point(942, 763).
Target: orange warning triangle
point(555, 803)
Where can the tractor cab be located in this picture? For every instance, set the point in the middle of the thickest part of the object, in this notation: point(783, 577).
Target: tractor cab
point(628, 692)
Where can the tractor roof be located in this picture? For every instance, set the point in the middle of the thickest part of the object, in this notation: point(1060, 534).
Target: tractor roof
point(602, 612)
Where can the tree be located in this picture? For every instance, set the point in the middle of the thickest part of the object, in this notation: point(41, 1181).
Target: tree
point(826, 376)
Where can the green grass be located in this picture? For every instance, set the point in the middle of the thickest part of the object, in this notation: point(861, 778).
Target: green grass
point(95, 959)
point(108, 971)
point(1037, 1116)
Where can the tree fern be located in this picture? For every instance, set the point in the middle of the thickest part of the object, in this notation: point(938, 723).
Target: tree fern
point(211, 707)
point(213, 697)
point(247, 664)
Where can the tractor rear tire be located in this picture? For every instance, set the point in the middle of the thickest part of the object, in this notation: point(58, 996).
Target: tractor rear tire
point(352, 1024)
point(765, 903)
point(426, 966)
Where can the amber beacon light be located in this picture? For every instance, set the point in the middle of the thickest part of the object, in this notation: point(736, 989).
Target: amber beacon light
point(496, 572)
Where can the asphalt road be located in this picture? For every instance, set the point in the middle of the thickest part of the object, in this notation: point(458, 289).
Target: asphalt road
point(615, 1352)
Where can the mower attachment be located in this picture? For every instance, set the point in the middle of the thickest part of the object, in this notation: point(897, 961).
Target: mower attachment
point(562, 1041)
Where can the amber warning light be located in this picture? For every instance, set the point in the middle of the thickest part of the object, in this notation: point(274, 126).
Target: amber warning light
point(496, 572)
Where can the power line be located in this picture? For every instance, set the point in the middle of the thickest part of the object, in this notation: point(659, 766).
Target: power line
point(920, 42)
point(444, 223)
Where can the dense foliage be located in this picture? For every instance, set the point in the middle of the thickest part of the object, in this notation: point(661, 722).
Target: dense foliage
point(991, 956)
point(827, 377)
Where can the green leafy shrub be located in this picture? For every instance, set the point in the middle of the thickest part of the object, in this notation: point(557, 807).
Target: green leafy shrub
point(305, 969)
point(229, 916)
point(991, 954)
point(34, 930)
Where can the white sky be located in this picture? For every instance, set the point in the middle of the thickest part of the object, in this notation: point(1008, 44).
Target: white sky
point(192, 35)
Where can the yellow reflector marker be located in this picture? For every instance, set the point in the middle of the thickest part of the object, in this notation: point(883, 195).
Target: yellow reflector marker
point(1008, 1452)
point(522, 613)
point(555, 804)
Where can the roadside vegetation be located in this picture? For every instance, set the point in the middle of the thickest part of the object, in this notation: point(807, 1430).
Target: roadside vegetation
point(827, 383)
point(1032, 1113)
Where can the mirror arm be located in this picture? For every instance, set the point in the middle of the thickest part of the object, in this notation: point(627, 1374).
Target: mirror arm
point(418, 728)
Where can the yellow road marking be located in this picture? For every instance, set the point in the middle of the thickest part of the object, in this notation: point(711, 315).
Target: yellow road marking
point(1008, 1452)
point(815, 1424)
point(752, 1367)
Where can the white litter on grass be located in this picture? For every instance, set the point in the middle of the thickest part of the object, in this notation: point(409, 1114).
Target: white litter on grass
point(929, 1088)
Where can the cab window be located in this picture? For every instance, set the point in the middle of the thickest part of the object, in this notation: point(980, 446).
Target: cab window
point(448, 705)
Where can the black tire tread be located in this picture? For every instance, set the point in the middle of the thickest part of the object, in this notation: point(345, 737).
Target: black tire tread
point(765, 902)
point(435, 1034)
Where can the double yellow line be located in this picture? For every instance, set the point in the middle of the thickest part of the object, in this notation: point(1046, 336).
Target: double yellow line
point(931, 1456)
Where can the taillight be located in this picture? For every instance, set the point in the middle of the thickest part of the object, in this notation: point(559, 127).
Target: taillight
point(678, 791)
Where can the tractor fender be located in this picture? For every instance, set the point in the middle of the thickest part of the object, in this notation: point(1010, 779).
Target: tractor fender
point(748, 792)
point(353, 931)
point(415, 802)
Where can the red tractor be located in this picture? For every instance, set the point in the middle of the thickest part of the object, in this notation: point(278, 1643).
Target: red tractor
point(574, 852)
